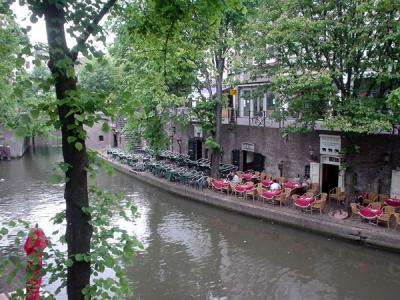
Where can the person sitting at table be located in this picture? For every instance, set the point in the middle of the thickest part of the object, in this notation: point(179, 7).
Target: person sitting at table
point(297, 179)
point(235, 179)
point(358, 199)
point(275, 186)
point(230, 175)
point(306, 182)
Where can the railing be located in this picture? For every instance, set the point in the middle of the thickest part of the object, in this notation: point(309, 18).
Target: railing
point(262, 118)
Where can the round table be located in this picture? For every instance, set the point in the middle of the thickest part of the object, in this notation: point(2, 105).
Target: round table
point(369, 213)
point(266, 182)
point(339, 214)
point(304, 201)
point(248, 176)
point(392, 202)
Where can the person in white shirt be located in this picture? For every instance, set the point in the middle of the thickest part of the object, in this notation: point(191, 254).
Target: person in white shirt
point(235, 179)
point(275, 186)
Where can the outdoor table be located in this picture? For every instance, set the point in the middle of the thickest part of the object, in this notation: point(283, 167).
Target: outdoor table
point(249, 187)
point(218, 184)
point(370, 214)
point(304, 201)
point(393, 202)
point(266, 182)
point(270, 194)
point(291, 185)
point(248, 176)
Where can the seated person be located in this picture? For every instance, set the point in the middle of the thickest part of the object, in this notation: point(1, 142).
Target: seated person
point(230, 175)
point(306, 182)
point(297, 179)
point(235, 179)
point(275, 186)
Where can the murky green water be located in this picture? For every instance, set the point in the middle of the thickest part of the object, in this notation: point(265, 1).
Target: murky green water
point(193, 251)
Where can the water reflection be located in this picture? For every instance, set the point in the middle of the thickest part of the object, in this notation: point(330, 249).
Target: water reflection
point(193, 251)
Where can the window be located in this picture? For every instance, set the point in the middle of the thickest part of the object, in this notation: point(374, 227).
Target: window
point(101, 138)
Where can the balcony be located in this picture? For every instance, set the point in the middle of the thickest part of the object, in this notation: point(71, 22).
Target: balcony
point(261, 119)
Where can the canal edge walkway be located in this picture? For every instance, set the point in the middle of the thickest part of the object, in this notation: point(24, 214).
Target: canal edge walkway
point(344, 229)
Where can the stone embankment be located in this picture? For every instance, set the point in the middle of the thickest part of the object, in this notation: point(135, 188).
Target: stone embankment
point(348, 229)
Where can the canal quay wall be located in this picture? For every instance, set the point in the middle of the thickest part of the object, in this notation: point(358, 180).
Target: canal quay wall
point(348, 229)
point(18, 145)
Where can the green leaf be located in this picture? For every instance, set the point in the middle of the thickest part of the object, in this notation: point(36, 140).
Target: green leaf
point(78, 146)
point(79, 257)
point(71, 139)
point(78, 117)
point(35, 113)
point(56, 178)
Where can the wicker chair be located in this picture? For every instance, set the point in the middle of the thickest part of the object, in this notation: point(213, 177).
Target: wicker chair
point(336, 194)
point(309, 194)
point(313, 188)
point(288, 191)
point(375, 205)
point(372, 197)
point(397, 218)
point(239, 192)
point(355, 208)
point(252, 193)
point(209, 182)
point(382, 198)
point(282, 198)
point(388, 211)
point(320, 204)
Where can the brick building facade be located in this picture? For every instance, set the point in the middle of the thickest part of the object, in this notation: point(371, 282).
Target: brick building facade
point(373, 159)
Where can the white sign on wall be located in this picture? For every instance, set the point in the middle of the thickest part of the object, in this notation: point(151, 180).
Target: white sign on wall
point(198, 132)
point(330, 144)
point(314, 172)
point(248, 147)
point(395, 185)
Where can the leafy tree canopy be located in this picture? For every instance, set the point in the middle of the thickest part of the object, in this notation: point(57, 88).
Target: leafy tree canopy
point(310, 47)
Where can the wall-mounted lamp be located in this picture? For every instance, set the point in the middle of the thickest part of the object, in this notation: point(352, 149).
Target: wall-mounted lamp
point(312, 154)
point(280, 167)
point(179, 141)
point(171, 139)
point(387, 157)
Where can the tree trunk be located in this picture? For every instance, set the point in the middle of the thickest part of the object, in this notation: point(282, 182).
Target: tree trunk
point(79, 231)
point(216, 152)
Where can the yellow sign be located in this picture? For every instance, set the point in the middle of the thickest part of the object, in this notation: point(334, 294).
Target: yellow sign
point(233, 92)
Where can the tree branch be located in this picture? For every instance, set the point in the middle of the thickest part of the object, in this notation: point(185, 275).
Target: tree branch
point(90, 28)
point(169, 32)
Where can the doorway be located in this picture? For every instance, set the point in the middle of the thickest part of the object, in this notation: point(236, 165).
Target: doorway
point(115, 140)
point(199, 149)
point(248, 160)
point(330, 177)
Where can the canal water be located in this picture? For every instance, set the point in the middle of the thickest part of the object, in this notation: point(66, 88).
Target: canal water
point(193, 251)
